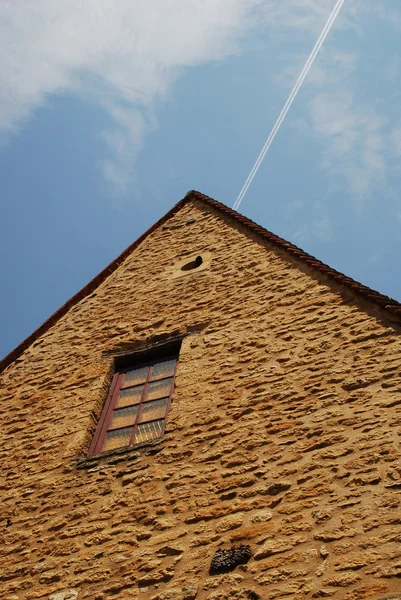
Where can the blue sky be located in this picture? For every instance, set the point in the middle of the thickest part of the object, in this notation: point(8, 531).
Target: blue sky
point(112, 110)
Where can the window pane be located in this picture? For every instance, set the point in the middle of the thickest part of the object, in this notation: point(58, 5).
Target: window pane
point(148, 431)
point(159, 389)
point(154, 410)
point(117, 438)
point(130, 396)
point(136, 376)
point(163, 369)
point(123, 417)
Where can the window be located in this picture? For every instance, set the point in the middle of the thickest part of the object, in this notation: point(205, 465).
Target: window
point(138, 401)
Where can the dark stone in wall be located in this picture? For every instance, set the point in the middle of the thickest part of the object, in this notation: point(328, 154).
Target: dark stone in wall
point(226, 560)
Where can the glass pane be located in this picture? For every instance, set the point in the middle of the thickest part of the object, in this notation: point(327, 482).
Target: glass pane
point(117, 438)
point(159, 389)
point(163, 369)
point(154, 410)
point(136, 376)
point(124, 416)
point(130, 396)
point(148, 431)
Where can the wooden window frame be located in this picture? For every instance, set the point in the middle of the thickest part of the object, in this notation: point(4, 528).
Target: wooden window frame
point(132, 362)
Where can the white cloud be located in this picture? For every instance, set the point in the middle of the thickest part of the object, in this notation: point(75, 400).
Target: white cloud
point(120, 54)
point(358, 146)
point(318, 228)
point(124, 55)
point(303, 15)
point(346, 108)
point(396, 139)
point(356, 139)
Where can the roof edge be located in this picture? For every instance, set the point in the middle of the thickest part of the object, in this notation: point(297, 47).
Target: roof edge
point(381, 300)
point(384, 302)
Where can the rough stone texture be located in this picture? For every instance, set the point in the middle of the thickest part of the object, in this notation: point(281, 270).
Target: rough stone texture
point(283, 434)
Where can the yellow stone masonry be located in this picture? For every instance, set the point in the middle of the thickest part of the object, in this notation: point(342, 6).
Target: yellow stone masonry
point(283, 434)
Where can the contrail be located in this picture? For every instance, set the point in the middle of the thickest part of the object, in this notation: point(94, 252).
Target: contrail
point(289, 101)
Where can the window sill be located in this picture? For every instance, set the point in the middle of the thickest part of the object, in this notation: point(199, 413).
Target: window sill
point(113, 457)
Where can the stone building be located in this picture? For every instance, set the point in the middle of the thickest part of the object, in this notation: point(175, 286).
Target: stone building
point(276, 472)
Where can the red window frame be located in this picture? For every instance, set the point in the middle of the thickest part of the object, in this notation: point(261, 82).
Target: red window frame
point(120, 384)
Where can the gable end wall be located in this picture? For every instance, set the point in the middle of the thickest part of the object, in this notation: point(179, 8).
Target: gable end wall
point(283, 434)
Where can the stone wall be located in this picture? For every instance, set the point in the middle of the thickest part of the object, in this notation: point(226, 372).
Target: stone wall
point(283, 435)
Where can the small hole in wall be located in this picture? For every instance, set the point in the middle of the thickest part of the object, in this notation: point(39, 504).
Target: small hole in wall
point(193, 264)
